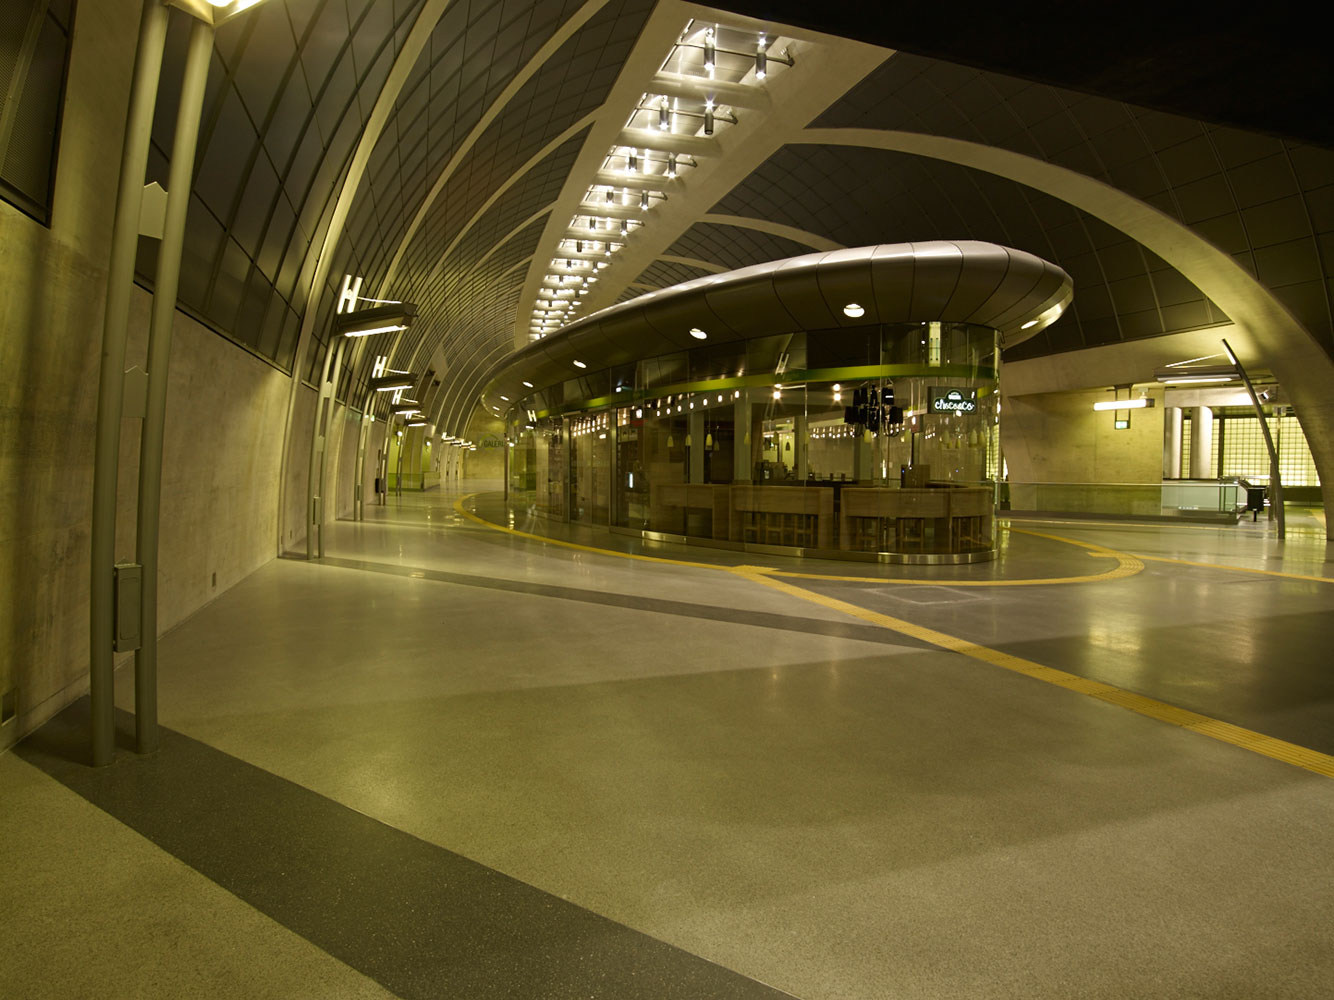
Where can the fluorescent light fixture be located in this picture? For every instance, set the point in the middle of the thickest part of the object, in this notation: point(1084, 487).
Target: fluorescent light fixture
point(528, 384)
point(854, 310)
point(373, 330)
point(390, 383)
point(1196, 374)
point(1124, 404)
point(214, 12)
point(580, 364)
point(505, 398)
point(698, 334)
point(380, 319)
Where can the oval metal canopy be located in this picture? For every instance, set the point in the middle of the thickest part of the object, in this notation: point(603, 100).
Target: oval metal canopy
point(950, 281)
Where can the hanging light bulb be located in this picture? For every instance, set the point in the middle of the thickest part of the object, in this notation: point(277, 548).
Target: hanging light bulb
point(664, 117)
point(708, 117)
point(643, 201)
point(710, 57)
point(632, 162)
point(671, 164)
point(761, 60)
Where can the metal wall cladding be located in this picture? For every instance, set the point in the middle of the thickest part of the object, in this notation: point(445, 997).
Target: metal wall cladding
point(987, 266)
point(935, 279)
point(797, 284)
point(674, 316)
point(1051, 287)
point(748, 305)
point(626, 327)
point(845, 279)
point(893, 271)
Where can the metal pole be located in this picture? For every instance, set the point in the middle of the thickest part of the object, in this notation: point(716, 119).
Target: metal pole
point(111, 385)
point(324, 452)
point(159, 354)
point(1275, 483)
point(324, 403)
point(363, 435)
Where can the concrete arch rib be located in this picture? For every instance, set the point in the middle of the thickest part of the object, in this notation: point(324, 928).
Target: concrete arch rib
point(1269, 333)
point(695, 262)
point(315, 267)
point(806, 238)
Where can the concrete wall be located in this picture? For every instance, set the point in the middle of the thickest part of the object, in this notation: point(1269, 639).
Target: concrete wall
point(225, 409)
point(1057, 437)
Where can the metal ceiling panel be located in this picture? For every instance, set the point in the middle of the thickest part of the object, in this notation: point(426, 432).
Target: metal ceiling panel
point(750, 304)
point(845, 279)
point(987, 266)
point(797, 285)
point(937, 276)
point(893, 270)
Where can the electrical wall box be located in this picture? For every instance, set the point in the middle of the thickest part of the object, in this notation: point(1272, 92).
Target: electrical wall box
point(129, 590)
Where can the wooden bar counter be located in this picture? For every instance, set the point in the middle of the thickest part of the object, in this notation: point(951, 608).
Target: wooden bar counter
point(936, 518)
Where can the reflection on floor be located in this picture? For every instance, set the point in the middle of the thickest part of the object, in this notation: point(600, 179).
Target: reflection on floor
point(452, 761)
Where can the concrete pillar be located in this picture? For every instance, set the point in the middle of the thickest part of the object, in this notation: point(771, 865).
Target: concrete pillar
point(1201, 441)
point(1172, 419)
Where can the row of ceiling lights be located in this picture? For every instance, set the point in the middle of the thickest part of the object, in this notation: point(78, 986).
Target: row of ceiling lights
point(606, 220)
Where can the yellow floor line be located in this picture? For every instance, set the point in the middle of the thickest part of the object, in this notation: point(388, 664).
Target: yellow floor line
point(1242, 569)
point(1127, 565)
point(1225, 732)
point(460, 510)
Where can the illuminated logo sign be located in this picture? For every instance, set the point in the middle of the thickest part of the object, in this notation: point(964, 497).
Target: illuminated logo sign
point(953, 400)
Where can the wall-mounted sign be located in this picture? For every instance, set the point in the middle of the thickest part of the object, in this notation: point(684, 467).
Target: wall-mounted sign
point(951, 400)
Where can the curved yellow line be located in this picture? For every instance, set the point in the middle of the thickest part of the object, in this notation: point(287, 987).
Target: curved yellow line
point(1126, 565)
point(1224, 732)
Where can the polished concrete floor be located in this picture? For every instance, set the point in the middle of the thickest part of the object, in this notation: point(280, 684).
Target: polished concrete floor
point(456, 760)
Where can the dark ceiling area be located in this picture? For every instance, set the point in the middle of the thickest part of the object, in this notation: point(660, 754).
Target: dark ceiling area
point(1264, 67)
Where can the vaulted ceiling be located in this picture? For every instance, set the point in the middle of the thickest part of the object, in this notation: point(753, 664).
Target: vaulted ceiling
point(471, 156)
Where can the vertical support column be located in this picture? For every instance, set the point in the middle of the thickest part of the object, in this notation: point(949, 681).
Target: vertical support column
point(743, 469)
point(695, 446)
point(363, 437)
point(111, 385)
point(567, 473)
point(1172, 421)
point(159, 355)
point(800, 448)
point(324, 409)
point(1201, 441)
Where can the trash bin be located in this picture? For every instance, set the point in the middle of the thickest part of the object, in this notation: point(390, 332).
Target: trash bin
point(1255, 500)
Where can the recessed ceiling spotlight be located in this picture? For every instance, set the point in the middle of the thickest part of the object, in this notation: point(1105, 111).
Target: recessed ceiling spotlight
point(1030, 324)
point(854, 310)
point(580, 364)
point(528, 384)
point(697, 333)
